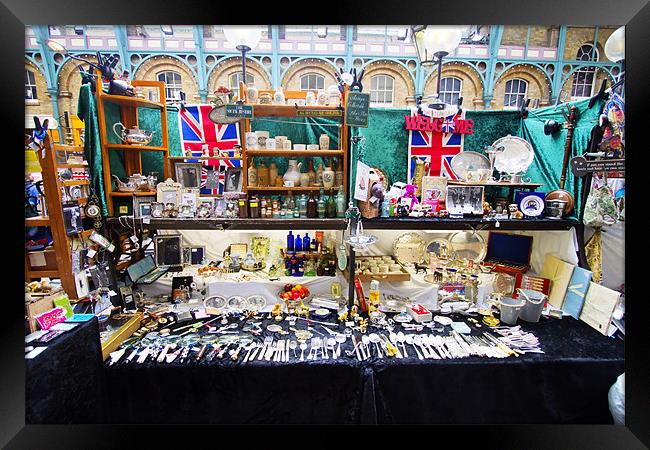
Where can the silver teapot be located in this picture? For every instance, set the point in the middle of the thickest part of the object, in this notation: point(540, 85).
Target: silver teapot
point(135, 182)
point(132, 136)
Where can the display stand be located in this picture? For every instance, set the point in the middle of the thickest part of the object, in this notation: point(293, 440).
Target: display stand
point(132, 153)
point(52, 187)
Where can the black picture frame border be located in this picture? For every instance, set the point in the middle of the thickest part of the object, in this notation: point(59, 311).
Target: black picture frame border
point(635, 14)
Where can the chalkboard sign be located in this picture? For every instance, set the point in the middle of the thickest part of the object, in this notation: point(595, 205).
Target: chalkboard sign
point(356, 112)
point(237, 110)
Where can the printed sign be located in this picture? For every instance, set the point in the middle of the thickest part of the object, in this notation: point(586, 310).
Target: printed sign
point(318, 113)
point(237, 110)
point(581, 167)
point(356, 112)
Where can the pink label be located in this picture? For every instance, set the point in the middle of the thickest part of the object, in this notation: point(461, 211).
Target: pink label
point(50, 318)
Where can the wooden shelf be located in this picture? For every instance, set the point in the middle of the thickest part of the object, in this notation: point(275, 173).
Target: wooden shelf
point(41, 273)
point(292, 110)
point(496, 184)
point(136, 147)
point(76, 183)
point(205, 158)
point(284, 188)
point(72, 166)
point(271, 153)
point(38, 221)
point(416, 223)
point(235, 224)
point(131, 194)
point(137, 102)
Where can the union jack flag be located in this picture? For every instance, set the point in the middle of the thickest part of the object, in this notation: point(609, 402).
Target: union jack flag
point(202, 137)
point(436, 148)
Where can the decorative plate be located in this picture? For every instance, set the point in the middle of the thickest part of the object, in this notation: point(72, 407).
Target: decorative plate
point(214, 304)
point(439, 247)
point(517, 155)
point(237, 303)
point(468, 245)
point(468, 161)
point(256, 302)
point(532, 205)
point(409, 248)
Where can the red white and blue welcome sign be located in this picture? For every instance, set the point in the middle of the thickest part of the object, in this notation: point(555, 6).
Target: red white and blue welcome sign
point(436, 140)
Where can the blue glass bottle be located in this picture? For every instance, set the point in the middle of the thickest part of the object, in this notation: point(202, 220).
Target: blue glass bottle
point(290, 242)
point(305, 242)
point(298, 243)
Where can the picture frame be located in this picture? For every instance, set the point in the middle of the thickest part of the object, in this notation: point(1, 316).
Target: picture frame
point(193, 255)
point(465, 200)
point(168, 192)
point(168, 249)
point(438, 184)
point(189, 196)
point(188, 174)
point(238, 249)
point(142, 206)
point(157, 209)
point(234, 180)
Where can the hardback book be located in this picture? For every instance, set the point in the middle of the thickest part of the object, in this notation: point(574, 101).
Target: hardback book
point(559, 272)
point(576, 291)
point(598, 308)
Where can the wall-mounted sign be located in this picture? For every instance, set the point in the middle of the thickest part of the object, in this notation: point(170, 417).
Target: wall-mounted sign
point(318, 113)
point(237, 110)
point(581, 167)
point(356, 112)
point(439, 124)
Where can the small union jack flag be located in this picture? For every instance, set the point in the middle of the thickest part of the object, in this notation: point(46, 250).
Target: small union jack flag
point(436, 148)
point(202, 137)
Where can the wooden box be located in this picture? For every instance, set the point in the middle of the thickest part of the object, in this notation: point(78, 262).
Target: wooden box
point(35, 307)
point(111, 343)
point(37, 256)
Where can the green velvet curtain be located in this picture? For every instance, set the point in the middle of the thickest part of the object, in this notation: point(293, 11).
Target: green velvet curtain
point(304, 130)
point(386, 145)
point(549, 150)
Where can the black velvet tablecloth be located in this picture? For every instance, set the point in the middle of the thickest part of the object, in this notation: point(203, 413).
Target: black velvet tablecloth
point(65, 384)
point(568, 384)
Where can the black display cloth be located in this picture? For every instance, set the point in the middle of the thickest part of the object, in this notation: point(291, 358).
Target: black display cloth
point(65, 384)
point(568, 384)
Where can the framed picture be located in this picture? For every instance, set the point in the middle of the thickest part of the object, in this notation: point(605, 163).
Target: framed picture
point(234, 180)
point(189, 174)
point(157, 209)
point(193, 255)
point(465, 200)
point(437, 186)
point(238, 249)
point(168, 192)
point(142, 206)
point(189, 196)
point(168, 249)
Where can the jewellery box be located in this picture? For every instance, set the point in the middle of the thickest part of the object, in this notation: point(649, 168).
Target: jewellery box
point(419, 313)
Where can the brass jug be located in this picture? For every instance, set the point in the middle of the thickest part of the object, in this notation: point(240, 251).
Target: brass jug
point(421, 168)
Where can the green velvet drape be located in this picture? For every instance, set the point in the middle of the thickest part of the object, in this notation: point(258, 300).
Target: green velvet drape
point(549, 150)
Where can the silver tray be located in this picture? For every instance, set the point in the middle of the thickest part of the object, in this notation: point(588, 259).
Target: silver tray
point(468, 161)
point(517, 155)
point(468, 245)
point(409, 248)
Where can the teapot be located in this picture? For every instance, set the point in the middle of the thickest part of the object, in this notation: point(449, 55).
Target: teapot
point(132, 136)
point(135, 182)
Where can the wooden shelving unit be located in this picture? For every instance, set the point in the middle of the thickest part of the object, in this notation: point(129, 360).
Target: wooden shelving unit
point(232, 224)
point(129, 118)
point(292, 111)
point(52, 187)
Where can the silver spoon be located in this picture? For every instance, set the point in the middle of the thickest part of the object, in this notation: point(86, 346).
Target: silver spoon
point(331, 342)
point(292, 346)
point(409, 340)
point(267, 342)
point(401, 337)
point(340, 338)
point(303, 347)
point(374, 338)
point(393, 338)
point(366, 340)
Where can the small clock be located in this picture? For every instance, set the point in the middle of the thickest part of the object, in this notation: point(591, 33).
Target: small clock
point(531, 203)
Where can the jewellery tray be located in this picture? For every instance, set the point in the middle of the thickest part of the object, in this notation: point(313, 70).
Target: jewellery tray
point(123, 333)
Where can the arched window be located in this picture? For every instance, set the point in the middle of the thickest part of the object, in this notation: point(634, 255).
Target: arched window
point(583, 79)
point(515, 92)
point(312, 82)
point(30, 85)
point(450, 88)
point(381, 91)
point(235, 78)
point(172, 82)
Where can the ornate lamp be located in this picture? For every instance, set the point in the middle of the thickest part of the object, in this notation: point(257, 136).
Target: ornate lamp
point(243, 39)
point(433, 43)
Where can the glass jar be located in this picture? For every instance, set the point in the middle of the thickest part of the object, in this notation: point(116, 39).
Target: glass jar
point(254, 206)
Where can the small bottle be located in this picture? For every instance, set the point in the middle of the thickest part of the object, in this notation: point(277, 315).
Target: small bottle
point(302, 205)
point(330, 207)
point(319, 175)
point(373, 297)
point(311, 172)
point(290, 242)
point(306, 242)
point(242, 203)
point(273, 173)
point(321, 204)
point(252, 174)
point(290, 203)
point(340, 203)
point(338, 175)
point(254, 206)
point(312, 207)
point(262, 175)
point(298, 243)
